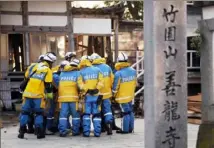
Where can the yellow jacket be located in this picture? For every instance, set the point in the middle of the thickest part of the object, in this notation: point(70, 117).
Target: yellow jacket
point(55, 69)
point(36, 86)
point(125, 80)
point(68, 84)
point(29, 69)
point(108, 77)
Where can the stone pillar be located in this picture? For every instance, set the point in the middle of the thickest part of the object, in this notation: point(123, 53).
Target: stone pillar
point(206, 129)
point(165, 77)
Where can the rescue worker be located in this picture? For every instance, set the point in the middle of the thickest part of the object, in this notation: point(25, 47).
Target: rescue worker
point(69, 56)
point(106, 91)
point(51, 123)
point(91, 82)
point(34, 95)
point(68, 98)
point(30, 129)
point(125, 81)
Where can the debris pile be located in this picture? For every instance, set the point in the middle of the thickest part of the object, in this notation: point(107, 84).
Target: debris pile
point(194, 109)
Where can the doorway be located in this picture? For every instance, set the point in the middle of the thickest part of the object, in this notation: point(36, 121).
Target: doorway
point(16, 52)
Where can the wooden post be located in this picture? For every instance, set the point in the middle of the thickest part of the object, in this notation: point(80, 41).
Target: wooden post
point(26, 34)
point(71, 46)
point(0, 41)
point(116, 28)
point(165, 77)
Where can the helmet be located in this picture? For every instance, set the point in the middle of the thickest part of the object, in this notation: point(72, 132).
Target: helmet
point(70, 55)
point(50, 56)
point(122, 57)
point(95, 56)
point(74, 62)
point(85, 57)
point(63, 63)
point(41, 57)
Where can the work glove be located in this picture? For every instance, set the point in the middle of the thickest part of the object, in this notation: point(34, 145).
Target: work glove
point(99, 100)
point(113, 100)
point(92, 91)
point(49, 95)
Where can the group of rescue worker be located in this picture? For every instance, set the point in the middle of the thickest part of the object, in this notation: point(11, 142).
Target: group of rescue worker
point(79, 89)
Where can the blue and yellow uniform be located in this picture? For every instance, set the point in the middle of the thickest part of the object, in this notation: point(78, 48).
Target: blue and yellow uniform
point(68, 98)
point(53, 105)
point(91, 82)
point(106, 91)
point(124, 89)
point(34, 94)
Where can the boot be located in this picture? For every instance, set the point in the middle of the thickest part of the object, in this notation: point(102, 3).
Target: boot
point(121, 132)
point(22, 131)
point(103, 126)
point(40, 133)
point(30, 129)
point(63, 134)
point(109, 129)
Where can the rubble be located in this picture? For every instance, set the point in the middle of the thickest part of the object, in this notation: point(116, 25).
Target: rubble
point(194, 109)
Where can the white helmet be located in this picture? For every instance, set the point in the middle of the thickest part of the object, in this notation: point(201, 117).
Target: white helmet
point(95, 56)
point(75, 62)
point(63, 63)
point(70, 54)
point(85, 57)
point(122, 57)
point(41, 57)
point(50, 56)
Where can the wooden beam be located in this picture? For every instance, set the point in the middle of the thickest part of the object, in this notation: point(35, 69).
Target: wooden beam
point(59, 14)
point(35, 13)
point(71, 46)
point(0, 41)
point(116, 28)
point(24, 13)
point(11, 12)
point(91, 16)
point(48, 13)
point(25, 22)
point(23, 29)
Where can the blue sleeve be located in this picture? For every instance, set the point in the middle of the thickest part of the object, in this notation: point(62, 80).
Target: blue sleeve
point(56, 80)
point(116, 83)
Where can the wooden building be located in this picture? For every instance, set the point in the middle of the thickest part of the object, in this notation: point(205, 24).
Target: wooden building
point(29, 29)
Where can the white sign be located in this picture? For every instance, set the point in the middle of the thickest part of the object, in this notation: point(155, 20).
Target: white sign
point(92, 26)
point(38, 6)
point(11, 19)
point(36, 20)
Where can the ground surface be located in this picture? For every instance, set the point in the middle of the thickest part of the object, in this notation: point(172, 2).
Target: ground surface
point(136, 140)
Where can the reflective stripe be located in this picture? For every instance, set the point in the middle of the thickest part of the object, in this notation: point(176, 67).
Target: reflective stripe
point(81, 86)
point(75, 118)
point(97, 119)
point(31, 94)
point(114, 91)
point(123, 98)
point(63, 118)
point(86, 118)
point(51, 118)
point(100, 84)
point(121, 108)
point(68, 96)
point(105, 93)
point(108, 114)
